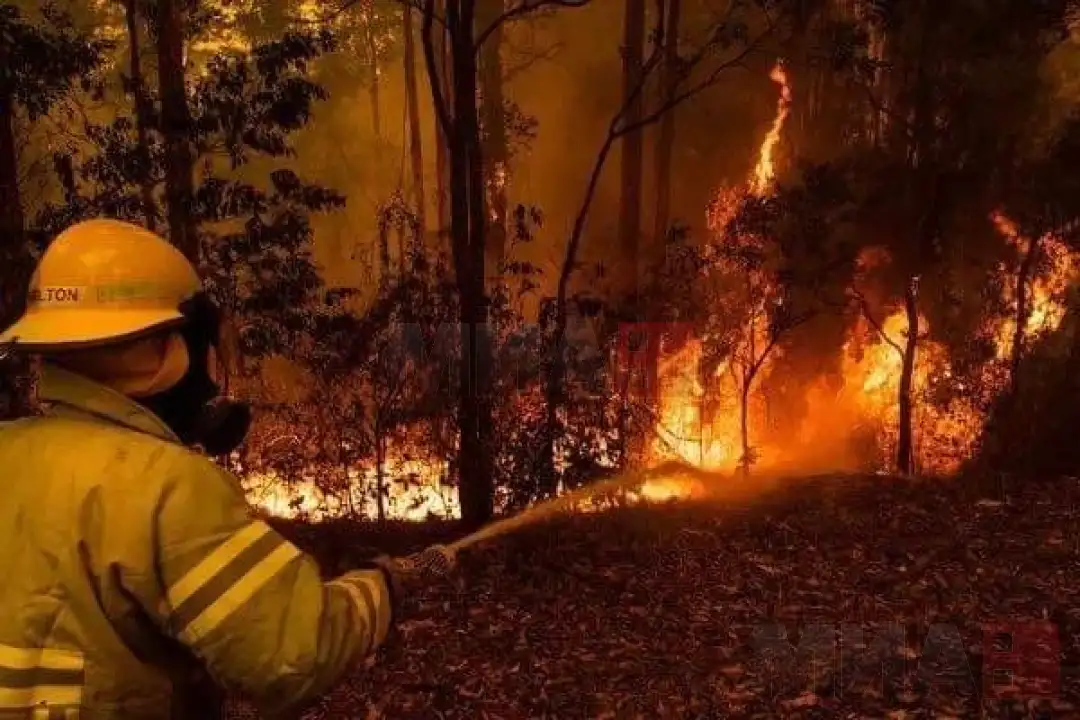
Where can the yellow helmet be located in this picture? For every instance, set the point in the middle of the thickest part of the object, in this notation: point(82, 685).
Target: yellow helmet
point(100, 282)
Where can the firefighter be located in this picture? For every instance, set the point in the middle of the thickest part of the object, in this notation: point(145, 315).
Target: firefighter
point(138, 581)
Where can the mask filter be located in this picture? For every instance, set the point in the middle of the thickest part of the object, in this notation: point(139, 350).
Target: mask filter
point(194, 408)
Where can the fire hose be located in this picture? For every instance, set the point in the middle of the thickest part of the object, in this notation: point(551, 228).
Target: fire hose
point(440, 560)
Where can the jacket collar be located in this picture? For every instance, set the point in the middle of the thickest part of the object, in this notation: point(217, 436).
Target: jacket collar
point(72, 394)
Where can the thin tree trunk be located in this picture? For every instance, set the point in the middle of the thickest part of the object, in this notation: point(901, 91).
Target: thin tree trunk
point(632, 145)
point(384, 251)
point(380, 474)
point(176, 125)
point(665, 143)
point(460, 122)
point(441, 79)
point(13, 250)
point(376, 109)
point(143, 114)
point(416, 153)
point(905, 445)
point(493, 119)
point(554, 387)
point(15, 266)
point(1023, 314)
point(630, 193)
point(744, 425)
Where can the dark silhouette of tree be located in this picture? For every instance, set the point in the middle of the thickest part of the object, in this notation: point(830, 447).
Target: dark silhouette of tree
point(257, 232)
point(946, 91)
point(40, 62)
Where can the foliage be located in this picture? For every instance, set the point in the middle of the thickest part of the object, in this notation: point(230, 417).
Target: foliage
point(256, 234)
point(40, 63)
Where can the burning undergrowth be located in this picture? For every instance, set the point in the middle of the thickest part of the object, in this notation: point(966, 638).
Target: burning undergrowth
point(718, 394)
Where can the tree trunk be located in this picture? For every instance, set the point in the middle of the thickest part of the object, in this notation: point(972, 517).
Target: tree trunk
point(460, 123)
point(15, 266)
point(376, 116)
point(143, 113)
point(632, 145)
point(744, 425)
point(13, 250)
point(441, 79)
point(554, 385)
point(416, 153)
point(384, 252)
point(665, 143)
point(380, 474)
point(176, 126)
point(905, 445)
point(493, 120)
point(476, 453)
point(1023, 312)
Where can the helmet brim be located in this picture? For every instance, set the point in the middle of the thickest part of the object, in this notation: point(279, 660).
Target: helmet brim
point(61, 330)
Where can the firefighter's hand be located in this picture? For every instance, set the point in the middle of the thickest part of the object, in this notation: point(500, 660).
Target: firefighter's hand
point(432, 563)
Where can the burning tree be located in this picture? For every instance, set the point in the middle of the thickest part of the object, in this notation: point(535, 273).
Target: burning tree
point(732, 37)
point(933, 93)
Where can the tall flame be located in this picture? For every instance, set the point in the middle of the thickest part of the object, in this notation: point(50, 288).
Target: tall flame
point(850, 416)
point(700, 423)
point(765, 171)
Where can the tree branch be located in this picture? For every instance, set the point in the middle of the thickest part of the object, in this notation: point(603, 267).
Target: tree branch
point(677, 99)
point(523, 7)
point(347, 5)
point(513, 70)
point(427, 42)
point(616, 131)
point(864, 308)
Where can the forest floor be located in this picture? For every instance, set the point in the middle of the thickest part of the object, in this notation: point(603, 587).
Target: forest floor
point(652, 612)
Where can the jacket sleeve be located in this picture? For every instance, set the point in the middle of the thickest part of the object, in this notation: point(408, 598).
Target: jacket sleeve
point(248, 603)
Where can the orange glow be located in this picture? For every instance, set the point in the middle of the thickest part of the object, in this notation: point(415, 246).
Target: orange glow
point(850, 420)
point(415, 492)
point(1046, 306)
point(700, 420)
point(849, 417)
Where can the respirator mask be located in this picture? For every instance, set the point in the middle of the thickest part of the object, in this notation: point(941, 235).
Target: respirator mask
point(196, 408)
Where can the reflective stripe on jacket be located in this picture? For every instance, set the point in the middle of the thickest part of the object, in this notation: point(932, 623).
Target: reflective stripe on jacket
point(133, 565)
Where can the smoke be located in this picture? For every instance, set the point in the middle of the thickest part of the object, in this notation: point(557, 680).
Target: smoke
point(564, 71)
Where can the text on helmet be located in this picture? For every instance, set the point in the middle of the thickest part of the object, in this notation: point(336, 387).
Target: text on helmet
point(60, 294)
point(118, 292)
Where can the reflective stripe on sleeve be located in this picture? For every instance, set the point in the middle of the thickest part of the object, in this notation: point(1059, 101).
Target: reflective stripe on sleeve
point(30, 677)
point(226, 579)
point(370, 597)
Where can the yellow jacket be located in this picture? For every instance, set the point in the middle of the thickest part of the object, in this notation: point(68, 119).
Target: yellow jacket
point(132, 565)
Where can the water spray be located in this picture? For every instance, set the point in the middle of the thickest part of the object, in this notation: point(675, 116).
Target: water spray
point(624, 481)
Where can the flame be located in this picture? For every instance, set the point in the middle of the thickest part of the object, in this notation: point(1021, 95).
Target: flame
point(765, 171)
point(1046, 291)
point(700, 422)
point(851, 418)
point(415, 491)
point(496, 183)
